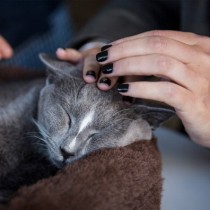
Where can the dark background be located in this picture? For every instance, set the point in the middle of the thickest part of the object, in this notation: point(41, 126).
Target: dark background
point(83, 10)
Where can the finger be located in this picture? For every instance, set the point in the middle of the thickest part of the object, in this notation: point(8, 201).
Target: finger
point(90, 69)
point(127, 79)
point(189, 38)
point(155, 64)
point(147, 46)
point(186, 37)
point(105, 83)
point(6, 50)
point(167, 92)
point(69, 54)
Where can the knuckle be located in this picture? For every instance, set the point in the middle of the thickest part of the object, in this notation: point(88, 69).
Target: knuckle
point(201, 39)
point(123, 66)
point(125, 39)
point(164, 64)
point(192, 35)
point(171, 92)
point(122, 48)
point(156, 33)
point(201, 95)
point(128, 64)
point(157, 43)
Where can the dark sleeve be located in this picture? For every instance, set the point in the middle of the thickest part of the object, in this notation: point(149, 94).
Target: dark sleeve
point(121, 18)
point(21, 20)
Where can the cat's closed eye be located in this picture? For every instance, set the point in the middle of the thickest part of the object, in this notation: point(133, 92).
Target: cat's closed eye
point(69, 119)
point(91, 136)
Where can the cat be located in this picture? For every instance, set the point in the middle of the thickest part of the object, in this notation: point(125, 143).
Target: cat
point(76, 118)
point(70, 119)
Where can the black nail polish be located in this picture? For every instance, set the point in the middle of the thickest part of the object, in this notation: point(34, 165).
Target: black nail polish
point(106, 47)
point(102, 56)
point(91, 73)
point(107, 69)
point(122, 88)
point(105, 81)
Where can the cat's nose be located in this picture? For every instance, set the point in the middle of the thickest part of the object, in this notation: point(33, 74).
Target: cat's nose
point(66, 154)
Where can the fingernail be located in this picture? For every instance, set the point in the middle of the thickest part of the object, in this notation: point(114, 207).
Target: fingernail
point(105, 81)
point(107, 69)
point(122, 88)
point(102, 56)
point(106, 47)
point(91, 73)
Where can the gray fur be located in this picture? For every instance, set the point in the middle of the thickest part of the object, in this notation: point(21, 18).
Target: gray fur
point(63, 103)
point(20, 161)
point(66, 100)
point(17, 106)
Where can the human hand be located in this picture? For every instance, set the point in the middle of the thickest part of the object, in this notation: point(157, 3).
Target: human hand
point(183, 58)
point(87, 55)
point(6, 50)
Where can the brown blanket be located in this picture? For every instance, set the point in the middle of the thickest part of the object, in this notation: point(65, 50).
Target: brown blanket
point(126, 178)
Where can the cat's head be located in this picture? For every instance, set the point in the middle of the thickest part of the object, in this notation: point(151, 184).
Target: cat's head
point(76, 118)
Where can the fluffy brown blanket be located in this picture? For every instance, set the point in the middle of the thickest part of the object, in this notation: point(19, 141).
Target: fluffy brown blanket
point(126, 178)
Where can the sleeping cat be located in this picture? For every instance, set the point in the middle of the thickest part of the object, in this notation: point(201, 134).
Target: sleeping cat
point(73, 118)
point(76, 118)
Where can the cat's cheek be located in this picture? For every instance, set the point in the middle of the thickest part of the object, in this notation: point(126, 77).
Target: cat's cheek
point(137, 130)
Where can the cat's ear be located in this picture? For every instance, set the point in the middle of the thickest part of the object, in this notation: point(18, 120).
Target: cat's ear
point(60, 69)
point(154, 115)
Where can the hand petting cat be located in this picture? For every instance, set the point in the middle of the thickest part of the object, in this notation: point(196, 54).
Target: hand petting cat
point(6, 50)
point(87, 54)
point(180, 57)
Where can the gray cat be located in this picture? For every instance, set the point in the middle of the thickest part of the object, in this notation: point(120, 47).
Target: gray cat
point(73, 118)
point(76, 118)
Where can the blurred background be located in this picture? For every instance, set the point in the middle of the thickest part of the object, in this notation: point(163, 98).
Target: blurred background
point(83, 10)
point(34, 26)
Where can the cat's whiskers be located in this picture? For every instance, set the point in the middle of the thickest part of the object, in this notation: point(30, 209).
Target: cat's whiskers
point(42, 130)
point(46, 137)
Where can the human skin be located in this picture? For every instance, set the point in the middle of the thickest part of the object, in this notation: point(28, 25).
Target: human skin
point(6, 50)
point(183, 58)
